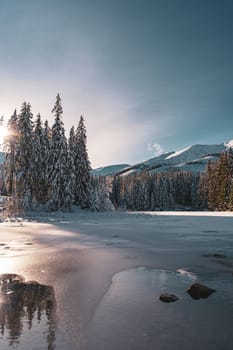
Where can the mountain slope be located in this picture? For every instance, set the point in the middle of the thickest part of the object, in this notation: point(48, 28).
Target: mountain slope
point(109, 170)
point(193, 158)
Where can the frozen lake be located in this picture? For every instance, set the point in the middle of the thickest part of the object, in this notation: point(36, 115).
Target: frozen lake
point(130, 316)
point(99, 277)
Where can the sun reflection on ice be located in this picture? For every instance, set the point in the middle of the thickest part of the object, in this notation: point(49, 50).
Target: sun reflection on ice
point(7, 265)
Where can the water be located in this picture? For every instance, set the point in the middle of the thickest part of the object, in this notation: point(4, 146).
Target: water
point(27, 314)
point(131, 316)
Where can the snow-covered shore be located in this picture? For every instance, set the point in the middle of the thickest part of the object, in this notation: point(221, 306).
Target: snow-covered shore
point(79, 253)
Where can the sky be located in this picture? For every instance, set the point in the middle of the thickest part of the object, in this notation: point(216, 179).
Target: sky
point(149, 76)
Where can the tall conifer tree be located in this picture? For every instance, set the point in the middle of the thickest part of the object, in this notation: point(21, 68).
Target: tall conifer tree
point(82, 167)
point(60, 193)
point(37, 160)
point(45, 155)
point(10, 147)
point(24, 156)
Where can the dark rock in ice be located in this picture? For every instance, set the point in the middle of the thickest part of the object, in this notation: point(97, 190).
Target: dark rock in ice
point(215, 255)
point(168, 298)
point(115, 236)
point(198, 291)
point(219, 256)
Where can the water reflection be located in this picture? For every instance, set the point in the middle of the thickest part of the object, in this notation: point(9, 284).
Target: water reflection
point(26, 309)
point(131, 316)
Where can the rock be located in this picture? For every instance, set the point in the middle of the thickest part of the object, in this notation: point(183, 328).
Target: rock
point(115, 235)
point(219, 256)
point(198, 291)
point(168, 298)
point(215, 255)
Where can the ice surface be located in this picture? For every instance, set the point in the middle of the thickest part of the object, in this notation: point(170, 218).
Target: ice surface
point(142, 322)
point(83, 255)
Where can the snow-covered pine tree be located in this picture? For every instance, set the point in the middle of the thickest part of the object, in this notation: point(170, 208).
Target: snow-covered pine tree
point(139, 193)
point(82, 167)
point(24, 156)
point(115, 195)
point(72, 141)
point(37, 160)
point(71, 160)
point(10, 146)
point(100, 196)
point(202, 191)
point(59, 172)
point(224, 180)
point(45, 155)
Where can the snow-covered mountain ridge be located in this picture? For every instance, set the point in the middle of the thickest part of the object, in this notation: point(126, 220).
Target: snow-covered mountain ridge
point(193, 158)
point(109, 170)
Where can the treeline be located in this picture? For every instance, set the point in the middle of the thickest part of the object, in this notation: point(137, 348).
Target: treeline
point(44, 169)
point(216, 184)
point(156, 191)
point(210, 190)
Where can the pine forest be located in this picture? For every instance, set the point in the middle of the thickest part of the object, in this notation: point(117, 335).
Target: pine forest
point(44, 169)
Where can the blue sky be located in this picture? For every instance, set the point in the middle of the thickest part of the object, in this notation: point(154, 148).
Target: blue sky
point(148, 75)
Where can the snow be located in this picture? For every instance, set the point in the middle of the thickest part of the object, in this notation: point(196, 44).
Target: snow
point(228, 144)
point(195, 153)
point(186, 213)
point(192, 158)
point(109, 170)
point(99, 224)
point(177, 153)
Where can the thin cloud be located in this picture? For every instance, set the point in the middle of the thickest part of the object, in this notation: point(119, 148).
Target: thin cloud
point(155, 148)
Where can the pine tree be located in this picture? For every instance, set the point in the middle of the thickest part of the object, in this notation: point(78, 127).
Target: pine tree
point(45, 157)
point(100, 199)
point(203, 191)
point(82, 167)
point(60, 191)
point(230, 201)
point(24, 156)
point(139, 193)
point(10, 146)
point(222, 183)
point(71, 160)
point(115, 195)
point(212, 185)
point(38, 171)
point(72, 141)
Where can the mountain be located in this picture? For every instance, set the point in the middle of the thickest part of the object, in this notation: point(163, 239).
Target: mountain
point(109, 170)
point(193, 158)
